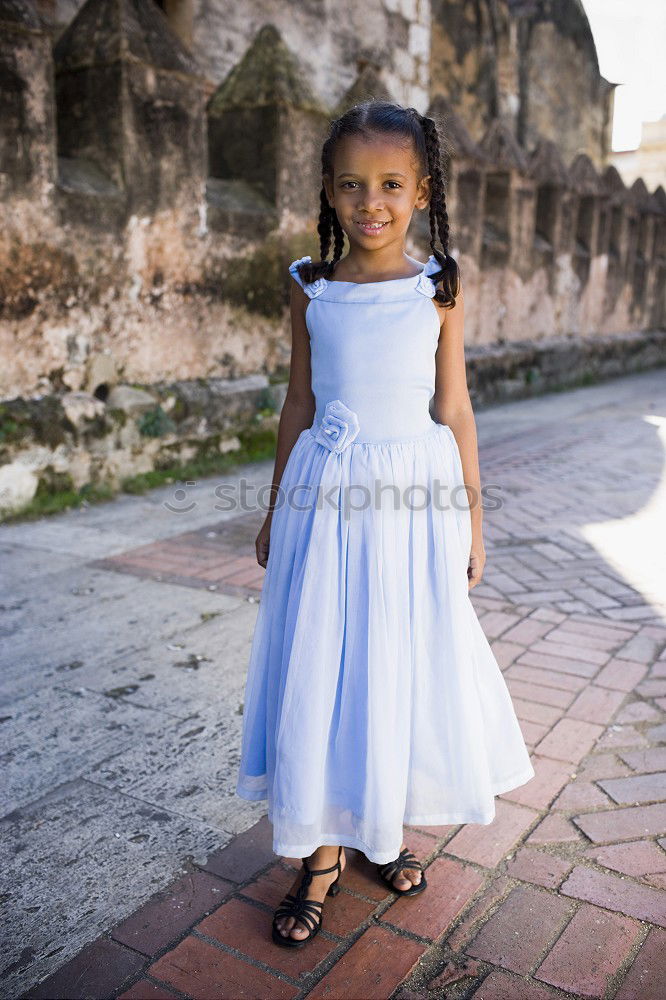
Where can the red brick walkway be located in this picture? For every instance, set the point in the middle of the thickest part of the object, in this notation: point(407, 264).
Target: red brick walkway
point(562, 895)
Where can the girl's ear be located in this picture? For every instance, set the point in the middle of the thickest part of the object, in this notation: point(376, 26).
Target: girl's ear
point(423, 191)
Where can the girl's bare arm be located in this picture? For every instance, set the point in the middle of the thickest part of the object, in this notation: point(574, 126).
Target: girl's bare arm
point(453, 406)
point(299, 405)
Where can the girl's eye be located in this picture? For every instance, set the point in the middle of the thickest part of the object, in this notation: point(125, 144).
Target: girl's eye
point(345, 183)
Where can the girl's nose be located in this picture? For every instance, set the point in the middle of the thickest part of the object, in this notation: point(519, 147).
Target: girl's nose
point(371, 202)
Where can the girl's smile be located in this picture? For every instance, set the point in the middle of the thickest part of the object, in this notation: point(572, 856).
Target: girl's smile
point(372, 228)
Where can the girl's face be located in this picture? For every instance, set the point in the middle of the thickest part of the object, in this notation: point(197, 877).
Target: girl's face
point(375, 189)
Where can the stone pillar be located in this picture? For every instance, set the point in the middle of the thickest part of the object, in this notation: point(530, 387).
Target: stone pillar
point(27, 120)
point(265, 127)
point(547, 169)
point(131, 109)
point(509, 200)
point(584, 217)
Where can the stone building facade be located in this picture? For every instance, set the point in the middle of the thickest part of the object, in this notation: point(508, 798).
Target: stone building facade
point(159, 168)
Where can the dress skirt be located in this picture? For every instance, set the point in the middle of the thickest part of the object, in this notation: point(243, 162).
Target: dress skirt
point(373, 698)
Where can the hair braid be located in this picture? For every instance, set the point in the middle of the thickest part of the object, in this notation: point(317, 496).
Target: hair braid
point(439, 217)
point(328, 227)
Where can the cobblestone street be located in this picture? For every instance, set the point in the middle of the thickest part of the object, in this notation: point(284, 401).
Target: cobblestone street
point(132, 870)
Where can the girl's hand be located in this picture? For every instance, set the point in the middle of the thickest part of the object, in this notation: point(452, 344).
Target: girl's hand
point(477, 560)
point(262, 541)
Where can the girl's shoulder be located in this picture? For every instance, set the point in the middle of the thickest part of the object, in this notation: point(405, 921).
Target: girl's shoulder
point(311, 288)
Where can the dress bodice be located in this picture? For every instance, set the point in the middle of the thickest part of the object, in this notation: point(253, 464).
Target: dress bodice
point(372, 346)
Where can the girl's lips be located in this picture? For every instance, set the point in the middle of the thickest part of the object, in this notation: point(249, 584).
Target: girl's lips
point(372, 228)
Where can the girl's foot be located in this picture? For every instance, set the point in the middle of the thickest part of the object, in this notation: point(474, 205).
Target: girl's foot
point(323, 857)
point(407, 877)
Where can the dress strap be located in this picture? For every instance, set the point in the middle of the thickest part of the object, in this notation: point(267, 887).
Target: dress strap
point(313, 288)
point(425, 284)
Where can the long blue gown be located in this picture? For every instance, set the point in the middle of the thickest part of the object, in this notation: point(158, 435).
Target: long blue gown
point(373, 697)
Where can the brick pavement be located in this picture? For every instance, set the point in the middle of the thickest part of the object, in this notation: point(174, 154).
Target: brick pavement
point(563, 894)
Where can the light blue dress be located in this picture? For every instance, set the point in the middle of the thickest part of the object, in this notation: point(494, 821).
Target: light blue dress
point(372, 696)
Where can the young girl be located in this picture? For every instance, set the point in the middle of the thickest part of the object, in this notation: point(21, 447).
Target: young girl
point(373, 698)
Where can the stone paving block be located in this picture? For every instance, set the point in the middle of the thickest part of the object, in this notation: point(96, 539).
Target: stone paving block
point(589, 638)
point(202, 971)
point(572, 651)
point(569, 739)
point(636, 789)
point(653, 759)
point(616, 634)
point(496, 623)
point(657, 734)
point(554, 830)
point(488, 844)
point(591, 949)
point(615, 892)
point(580, 795)
point(451, 885)
point(539, 867)
point(638, 711)
point(145, 990)
point(546, 678)
point(532, 711)
point(619, 737)
point(452, 973)
point(623, 824)
point(495, 891)
point(652, 688)
point(647, 974)
point(379, 960)
point(532, 732)
point(500, 985)
point(596, 704)
point(171, 912)
point(602, 765)
point(517, 933)
point(527, 631)
point(640, 648)
point(638, 857)
point(506, 652)
point(540, 693)
point(560, 664)
point(245, 855)
point(550, 776)
point(622, 675)
point(100, 857)
point(101, 969)
point(548, 615)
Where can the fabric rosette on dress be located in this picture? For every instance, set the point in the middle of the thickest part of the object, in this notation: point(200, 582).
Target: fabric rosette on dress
point(339, 426)
point(338, 429)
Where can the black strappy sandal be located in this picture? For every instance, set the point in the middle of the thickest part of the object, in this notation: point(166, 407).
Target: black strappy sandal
point(304, 909)
point(389, 871)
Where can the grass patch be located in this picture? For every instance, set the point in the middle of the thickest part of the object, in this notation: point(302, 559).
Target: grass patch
point(257, 445)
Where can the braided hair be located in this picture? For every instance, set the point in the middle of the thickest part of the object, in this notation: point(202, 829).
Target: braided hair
point(384, 117)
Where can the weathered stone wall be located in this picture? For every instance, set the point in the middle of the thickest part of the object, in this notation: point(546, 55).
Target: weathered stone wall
point(149, 212)
point(531, 65)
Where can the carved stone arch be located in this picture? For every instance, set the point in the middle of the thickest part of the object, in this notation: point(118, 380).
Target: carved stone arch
point(552, 178)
